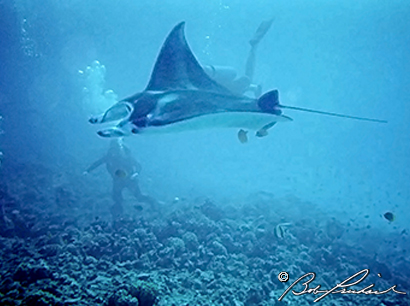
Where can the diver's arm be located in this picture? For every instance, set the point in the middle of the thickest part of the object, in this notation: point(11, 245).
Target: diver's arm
point(96, 164)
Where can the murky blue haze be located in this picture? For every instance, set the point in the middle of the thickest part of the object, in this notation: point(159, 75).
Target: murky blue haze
point(332, 179)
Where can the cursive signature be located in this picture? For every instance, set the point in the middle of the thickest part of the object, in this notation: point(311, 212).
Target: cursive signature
point(342, 286)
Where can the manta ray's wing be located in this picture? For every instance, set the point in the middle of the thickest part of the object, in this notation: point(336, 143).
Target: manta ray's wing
point(177, 68)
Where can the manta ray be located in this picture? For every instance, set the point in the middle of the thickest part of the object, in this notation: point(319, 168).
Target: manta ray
point(180, 96)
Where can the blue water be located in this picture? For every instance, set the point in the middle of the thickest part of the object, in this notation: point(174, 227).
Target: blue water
point(348, 57)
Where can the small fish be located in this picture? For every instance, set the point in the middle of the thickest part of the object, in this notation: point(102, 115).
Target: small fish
point(243, 136)
point(389, 216)
point(120, 173)
point(138, 207)
point(280, 230)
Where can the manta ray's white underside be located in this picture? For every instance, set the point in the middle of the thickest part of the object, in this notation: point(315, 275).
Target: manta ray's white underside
point(242, 120)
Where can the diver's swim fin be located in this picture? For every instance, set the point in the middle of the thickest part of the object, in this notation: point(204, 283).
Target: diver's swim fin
point(261, 31)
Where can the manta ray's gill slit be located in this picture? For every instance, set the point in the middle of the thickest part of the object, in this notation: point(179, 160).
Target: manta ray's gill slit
point(167, 99)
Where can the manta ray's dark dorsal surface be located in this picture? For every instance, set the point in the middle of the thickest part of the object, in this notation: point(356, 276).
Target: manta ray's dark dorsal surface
point(177, 68)
point(180, 96)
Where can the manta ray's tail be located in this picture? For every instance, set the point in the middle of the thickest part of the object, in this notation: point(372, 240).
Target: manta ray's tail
point(269, 103)
point(332, 114)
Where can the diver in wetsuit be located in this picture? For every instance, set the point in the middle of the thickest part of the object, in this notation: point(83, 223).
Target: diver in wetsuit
point(227, 76)
point(124, 170)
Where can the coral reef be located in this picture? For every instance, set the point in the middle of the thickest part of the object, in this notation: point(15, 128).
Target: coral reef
point(51, 255)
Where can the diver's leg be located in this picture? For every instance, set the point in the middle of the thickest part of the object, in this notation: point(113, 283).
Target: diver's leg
point(223, 75)
point(251, 60)
point(254, 42)
point(117, 187)
point(240, 85)
point(250, 63)
point(134, 187)
point(250, 72)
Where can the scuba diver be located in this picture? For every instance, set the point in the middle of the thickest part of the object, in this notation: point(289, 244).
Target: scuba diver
point(124, 170)
point(227, 76)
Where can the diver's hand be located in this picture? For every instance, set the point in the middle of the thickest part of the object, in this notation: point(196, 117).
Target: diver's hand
point(95, 119)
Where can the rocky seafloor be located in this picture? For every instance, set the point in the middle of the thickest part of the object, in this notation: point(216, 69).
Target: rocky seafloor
point(58, 249)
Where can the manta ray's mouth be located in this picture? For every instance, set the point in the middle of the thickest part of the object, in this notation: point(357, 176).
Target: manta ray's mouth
point(117, 131)
point(120, 111)
point(111, 133)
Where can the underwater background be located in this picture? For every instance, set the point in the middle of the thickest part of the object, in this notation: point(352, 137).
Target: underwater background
point(318, 194)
